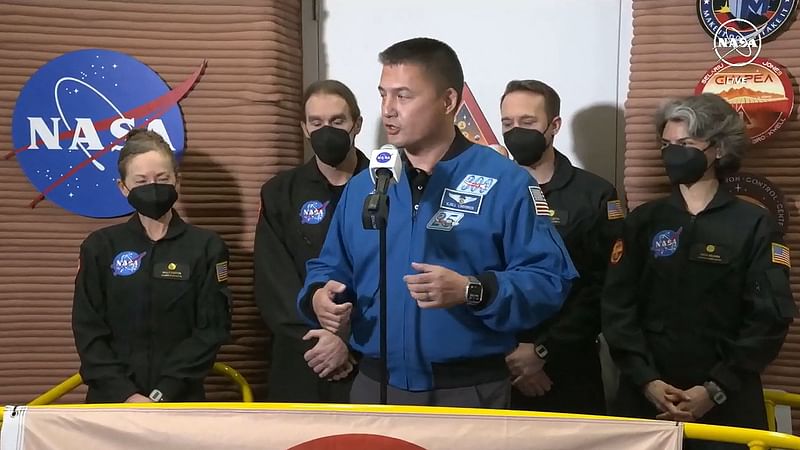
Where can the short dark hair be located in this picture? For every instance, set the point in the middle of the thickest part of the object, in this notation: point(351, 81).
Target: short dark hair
point(436, 57)
point(140, 141)
point(333, 87)
point(552, 102)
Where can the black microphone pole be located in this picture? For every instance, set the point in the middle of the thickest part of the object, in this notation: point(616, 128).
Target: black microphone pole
point(375, 217)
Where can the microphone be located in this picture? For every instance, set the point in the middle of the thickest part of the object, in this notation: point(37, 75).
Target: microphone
point(385, 166)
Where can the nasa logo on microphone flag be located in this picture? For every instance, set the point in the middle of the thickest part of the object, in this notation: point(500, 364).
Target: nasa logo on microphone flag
point(71, 118)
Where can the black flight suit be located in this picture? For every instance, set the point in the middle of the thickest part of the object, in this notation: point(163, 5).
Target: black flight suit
point(695, 299)
point(296, 209)
point(150, 315)
point(587, 214)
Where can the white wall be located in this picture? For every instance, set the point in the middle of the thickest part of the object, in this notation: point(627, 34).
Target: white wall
point(580, 47)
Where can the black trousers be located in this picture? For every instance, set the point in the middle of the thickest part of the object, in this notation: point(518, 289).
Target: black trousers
point(292, 381)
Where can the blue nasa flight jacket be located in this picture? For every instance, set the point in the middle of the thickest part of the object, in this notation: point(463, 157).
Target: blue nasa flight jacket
point(477, 214)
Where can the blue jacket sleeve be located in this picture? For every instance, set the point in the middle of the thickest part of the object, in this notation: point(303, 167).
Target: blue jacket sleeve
point(334, 261)
point(538, 273)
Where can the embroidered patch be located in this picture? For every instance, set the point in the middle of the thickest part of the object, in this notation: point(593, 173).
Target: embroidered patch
point(539, 202)
point(476, 184)
point(222, 271)
point(616, 252)
point(781, 255)
point(460, 201)
point(313, 212)
point(127, 263)
point(614, 210)
point(665, 243)
point(445, 220)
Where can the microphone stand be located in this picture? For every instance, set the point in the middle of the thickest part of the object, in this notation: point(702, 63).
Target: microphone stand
point(375, 217)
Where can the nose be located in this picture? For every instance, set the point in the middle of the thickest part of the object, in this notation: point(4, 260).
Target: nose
point(388, 108)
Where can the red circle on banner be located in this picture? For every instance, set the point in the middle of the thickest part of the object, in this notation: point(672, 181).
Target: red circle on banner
point(357, 442)
point(761, 92)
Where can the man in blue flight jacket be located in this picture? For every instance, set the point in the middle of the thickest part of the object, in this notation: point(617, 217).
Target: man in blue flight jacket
point(473, 258)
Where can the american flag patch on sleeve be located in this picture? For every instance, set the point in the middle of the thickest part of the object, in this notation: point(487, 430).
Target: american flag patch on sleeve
point(222, 271)
point(781, 255)
point(614, 210)
point(539, 202)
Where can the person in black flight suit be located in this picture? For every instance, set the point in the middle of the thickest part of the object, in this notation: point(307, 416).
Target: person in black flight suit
point(697, 300)
point(151, 306)
point(296, 208)
point(556, 366)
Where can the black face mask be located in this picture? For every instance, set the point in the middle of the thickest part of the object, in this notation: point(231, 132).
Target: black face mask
point(685, 165)
point(526, 146)
point(153, 200)
point(330, 144)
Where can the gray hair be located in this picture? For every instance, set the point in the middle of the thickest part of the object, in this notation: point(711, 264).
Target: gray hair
point(709, 117)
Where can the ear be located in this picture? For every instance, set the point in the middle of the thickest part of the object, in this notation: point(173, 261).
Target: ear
point(556, 127)
point(177, 181)
point(450, 101)
point(305, 130)
point(357, 126)
point(122, 188)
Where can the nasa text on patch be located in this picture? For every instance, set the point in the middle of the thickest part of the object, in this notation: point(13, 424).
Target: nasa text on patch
point(126, 263)
point(665, 243)
point(476, 184)
point(461, 201)
point(313, 212)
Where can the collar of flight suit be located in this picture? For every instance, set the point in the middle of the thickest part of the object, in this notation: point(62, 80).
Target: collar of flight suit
point(563, 171)
point(176, 226)
point(721, 198)
point(459, 145)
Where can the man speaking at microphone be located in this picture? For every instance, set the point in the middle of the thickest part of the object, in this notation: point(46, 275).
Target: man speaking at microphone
point(473, 258)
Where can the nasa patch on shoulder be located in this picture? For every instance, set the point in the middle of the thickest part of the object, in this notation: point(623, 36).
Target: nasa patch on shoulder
point(126, 263)
point(539, 202)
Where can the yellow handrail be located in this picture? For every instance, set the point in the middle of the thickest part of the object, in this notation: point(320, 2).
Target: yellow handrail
point(773, 398)
point(74, 381)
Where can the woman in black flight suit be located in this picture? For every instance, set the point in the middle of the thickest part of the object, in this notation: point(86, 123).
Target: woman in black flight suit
point(151, 305)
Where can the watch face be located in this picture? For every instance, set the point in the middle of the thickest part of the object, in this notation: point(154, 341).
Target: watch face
point(474, 293)
point(720, 398)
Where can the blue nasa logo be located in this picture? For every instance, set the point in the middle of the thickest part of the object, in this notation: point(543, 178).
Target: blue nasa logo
point(665, 243)
point(70, 120)
point(127, 263)
point(383, 157)
point(738, 17)
point(313, 212)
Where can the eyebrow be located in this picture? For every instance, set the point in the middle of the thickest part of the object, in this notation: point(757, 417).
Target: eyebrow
point(335, 117)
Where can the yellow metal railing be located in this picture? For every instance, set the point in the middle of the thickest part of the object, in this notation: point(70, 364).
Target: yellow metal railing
point(773, 398)
point(74, 381)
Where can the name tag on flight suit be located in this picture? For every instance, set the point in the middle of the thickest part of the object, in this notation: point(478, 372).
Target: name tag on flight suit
point(171, 271)
point(710, 253)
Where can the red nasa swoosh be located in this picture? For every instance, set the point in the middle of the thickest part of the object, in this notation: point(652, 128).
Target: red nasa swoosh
point(153, 109)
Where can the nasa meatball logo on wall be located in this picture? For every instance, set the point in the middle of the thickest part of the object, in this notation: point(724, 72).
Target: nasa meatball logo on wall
point(71, 118)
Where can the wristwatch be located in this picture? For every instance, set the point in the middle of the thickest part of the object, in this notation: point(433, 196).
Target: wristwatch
point(715, 392)
point(474, 292)
point(541, 351)
point(156, 396)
